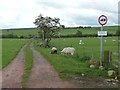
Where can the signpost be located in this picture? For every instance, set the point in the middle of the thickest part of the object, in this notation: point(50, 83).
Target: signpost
point(102, 21)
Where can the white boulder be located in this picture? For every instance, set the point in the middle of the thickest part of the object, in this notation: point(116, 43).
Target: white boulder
point(101, 67)
point(111, 72)
point(83, 74)
point(92, 66)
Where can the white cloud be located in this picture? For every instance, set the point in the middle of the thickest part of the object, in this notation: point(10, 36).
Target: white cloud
point(21, 13)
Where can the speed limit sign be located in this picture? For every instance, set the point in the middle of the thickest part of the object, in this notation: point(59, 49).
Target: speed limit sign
point(102, 20)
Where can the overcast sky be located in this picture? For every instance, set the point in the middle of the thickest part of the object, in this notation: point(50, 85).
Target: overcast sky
point(22, 13)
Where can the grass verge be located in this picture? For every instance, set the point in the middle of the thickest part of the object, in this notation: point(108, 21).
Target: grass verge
point(27, 66)
point(10, 48)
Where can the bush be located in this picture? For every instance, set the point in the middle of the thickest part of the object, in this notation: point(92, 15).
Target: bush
point(85, 58)
point(9, 36)
point(78, 33)
point(93, 62)
point(22, 37)
point(30, 36)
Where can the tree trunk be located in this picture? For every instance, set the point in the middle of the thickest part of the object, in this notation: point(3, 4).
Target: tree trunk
point(43, 38)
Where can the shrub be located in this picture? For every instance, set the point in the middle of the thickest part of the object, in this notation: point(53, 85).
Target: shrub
point(85, 58)
point(93, 62)
point(22, 36)
point(78, 33)
point(9, 36)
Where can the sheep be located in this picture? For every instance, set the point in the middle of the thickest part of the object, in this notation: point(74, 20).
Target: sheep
point(53, 50)
point(68, 50)
point(81, 42)
point(114, 40)
point(105, 40)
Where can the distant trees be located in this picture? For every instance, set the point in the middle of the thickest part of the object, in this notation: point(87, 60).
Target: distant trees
point(9, 36)
point(48, 27)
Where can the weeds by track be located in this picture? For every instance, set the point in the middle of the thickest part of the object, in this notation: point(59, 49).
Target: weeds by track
point(27, 66)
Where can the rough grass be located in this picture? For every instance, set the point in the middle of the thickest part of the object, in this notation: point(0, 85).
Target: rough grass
point(10, 48)
point(27, 66)
point(72, 65)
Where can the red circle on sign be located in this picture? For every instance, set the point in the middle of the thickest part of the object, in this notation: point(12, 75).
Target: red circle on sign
point(99, 20)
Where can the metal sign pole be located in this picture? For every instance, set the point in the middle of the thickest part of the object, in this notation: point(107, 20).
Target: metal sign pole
point(101, 48)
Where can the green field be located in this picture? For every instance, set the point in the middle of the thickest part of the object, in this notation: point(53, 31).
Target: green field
point(21, 32)
point(73, 65)
point(90, 44)
point(0, 53)
point(93, 30)
point(10, 48)
point(110, 29)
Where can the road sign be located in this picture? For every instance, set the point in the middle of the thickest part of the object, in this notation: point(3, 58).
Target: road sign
point(102, 20)
point(102, 33)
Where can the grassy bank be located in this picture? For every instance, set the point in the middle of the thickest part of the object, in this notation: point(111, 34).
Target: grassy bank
point(27, 66)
